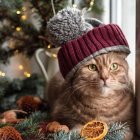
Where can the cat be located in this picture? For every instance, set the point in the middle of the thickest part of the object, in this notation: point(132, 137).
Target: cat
point(100, 89)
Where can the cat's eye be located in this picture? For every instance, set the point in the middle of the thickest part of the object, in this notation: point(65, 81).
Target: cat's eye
point(92, 67)
point(114, 66)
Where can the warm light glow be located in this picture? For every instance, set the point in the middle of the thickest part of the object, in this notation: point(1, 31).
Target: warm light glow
point(18, 29)
point(23, 17)
point(27, 74)
point(54, 55)
point(74, 6)
point(91, 3)
point(49, 46)
point(24, 8)
point(17, 51)
point(20, 67)
point(18, 12)
point(2, 73)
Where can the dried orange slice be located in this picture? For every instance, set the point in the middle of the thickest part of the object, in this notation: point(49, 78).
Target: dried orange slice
point(94, 130)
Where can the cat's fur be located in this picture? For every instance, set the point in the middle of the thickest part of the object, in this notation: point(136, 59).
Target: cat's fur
point(103, 94)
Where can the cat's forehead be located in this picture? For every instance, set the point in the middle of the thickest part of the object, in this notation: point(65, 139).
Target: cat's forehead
point(105, 58)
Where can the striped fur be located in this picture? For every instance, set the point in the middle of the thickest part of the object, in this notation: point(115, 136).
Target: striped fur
point(86, 97)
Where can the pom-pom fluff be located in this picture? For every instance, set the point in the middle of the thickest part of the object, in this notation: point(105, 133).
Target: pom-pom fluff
point(66, 25)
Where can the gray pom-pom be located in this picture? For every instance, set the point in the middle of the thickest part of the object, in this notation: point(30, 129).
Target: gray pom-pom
point(66, 25)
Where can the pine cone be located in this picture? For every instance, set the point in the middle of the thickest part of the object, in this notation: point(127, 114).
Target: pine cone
point(29, 104)
point(9, 133)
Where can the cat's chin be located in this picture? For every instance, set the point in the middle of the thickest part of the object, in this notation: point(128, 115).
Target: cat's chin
point(106, 91)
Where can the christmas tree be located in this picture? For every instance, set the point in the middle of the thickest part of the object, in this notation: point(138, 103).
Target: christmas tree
point(23, 31)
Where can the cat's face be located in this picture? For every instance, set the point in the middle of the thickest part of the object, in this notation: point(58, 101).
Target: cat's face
point(107, 72)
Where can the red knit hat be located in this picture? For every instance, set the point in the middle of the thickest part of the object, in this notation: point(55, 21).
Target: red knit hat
point(87, 44)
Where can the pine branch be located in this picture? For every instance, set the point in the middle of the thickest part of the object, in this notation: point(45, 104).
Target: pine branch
point(64, 136)
point(29, 128)
point(10, 90)
point(38, 116)
point(11, 3)
point(117, 131)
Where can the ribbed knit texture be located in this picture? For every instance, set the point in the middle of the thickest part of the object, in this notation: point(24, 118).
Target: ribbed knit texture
point(99, 40)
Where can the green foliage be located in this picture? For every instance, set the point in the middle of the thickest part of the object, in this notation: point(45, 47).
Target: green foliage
point(11, 90)
point(65, 136)
point(30, 128)
point(11, 3)
point(116, 131)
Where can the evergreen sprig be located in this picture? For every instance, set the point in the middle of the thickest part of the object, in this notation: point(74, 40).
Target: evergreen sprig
point(65, 136)
point(11, 90)
point(117, 131)
point(30, 128)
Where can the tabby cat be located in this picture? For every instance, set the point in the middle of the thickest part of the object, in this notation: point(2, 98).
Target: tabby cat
point(100, 89)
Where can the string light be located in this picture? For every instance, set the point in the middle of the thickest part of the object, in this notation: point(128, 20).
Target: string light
point(20, 67)
point(18, 29)
point(74, 6)
point(54, 55)
point(49, 46)
point(2, 73)
point(91, 5)
point(23, 17)
point(27, 74)
point(16, 52)
point(18, 12)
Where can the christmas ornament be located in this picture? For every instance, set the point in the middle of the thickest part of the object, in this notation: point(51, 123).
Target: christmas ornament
point(9, 133)
point(54, 127)
point(29, 104)
point(94, 130)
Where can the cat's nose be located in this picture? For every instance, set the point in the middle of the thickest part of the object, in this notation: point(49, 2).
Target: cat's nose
point(104, 78)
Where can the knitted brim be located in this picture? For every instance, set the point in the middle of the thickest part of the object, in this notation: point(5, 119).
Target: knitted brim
point(97, 41)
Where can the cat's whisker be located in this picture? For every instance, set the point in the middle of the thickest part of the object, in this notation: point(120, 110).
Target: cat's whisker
point(74, 91)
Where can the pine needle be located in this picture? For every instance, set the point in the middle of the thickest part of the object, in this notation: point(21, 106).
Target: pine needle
point(117, 131)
